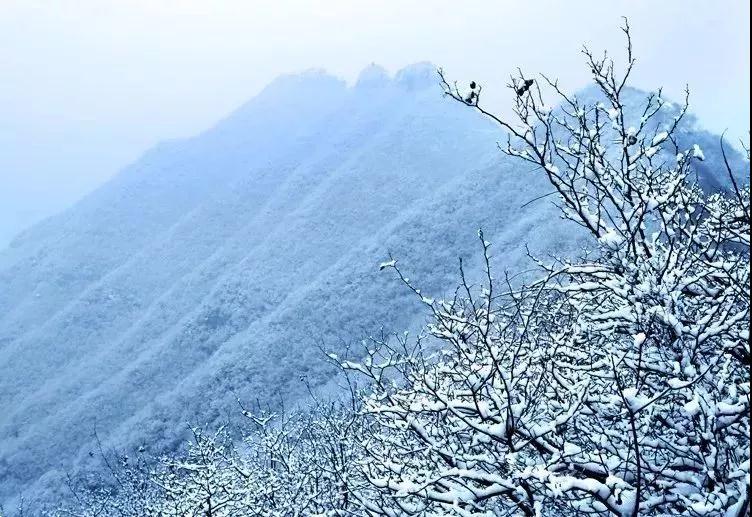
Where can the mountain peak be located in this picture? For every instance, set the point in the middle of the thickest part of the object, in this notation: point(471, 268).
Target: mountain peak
point(317, 77)
point(417, 76)
point(372, 76)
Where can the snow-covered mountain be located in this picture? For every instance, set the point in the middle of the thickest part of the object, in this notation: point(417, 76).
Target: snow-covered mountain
point(217, 267)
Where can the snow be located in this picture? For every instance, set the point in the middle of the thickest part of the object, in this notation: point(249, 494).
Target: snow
point(387, 264)
point(659, 138)
point(611, 239)
point(692, 407)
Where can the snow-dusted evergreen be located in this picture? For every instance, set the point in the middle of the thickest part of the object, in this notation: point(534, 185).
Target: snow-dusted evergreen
point(616, 383)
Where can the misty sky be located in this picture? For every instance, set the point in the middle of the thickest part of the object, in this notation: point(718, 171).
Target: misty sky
point(88, 85)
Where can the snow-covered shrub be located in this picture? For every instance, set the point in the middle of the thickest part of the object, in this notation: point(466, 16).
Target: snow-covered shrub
point(123, 488)
point(297, 464)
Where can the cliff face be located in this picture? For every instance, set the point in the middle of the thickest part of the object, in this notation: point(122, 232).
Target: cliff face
point(215, 268)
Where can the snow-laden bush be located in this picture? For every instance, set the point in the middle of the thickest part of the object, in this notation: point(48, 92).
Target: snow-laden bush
point(287, 465)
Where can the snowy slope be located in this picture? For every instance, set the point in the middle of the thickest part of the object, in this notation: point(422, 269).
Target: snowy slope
point(215, 267)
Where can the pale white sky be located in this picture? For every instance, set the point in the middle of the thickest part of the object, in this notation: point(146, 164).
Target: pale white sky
point(87, 85)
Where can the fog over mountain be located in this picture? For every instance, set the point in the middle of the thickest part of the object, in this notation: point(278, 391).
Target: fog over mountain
point(218, 267)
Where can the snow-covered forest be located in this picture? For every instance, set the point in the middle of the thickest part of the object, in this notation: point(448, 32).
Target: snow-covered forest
point(589, 355)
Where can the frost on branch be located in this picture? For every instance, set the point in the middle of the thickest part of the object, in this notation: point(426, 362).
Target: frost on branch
point(295, 464)
point(617, 385)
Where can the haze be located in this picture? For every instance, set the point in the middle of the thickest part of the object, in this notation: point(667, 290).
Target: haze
point(86, 86)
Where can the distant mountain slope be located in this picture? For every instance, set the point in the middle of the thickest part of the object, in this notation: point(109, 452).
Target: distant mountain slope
point(213, 267)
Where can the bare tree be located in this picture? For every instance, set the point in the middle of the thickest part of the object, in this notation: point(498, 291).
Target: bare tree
point(122, 488)
point(617, 384)
point(303, 463)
